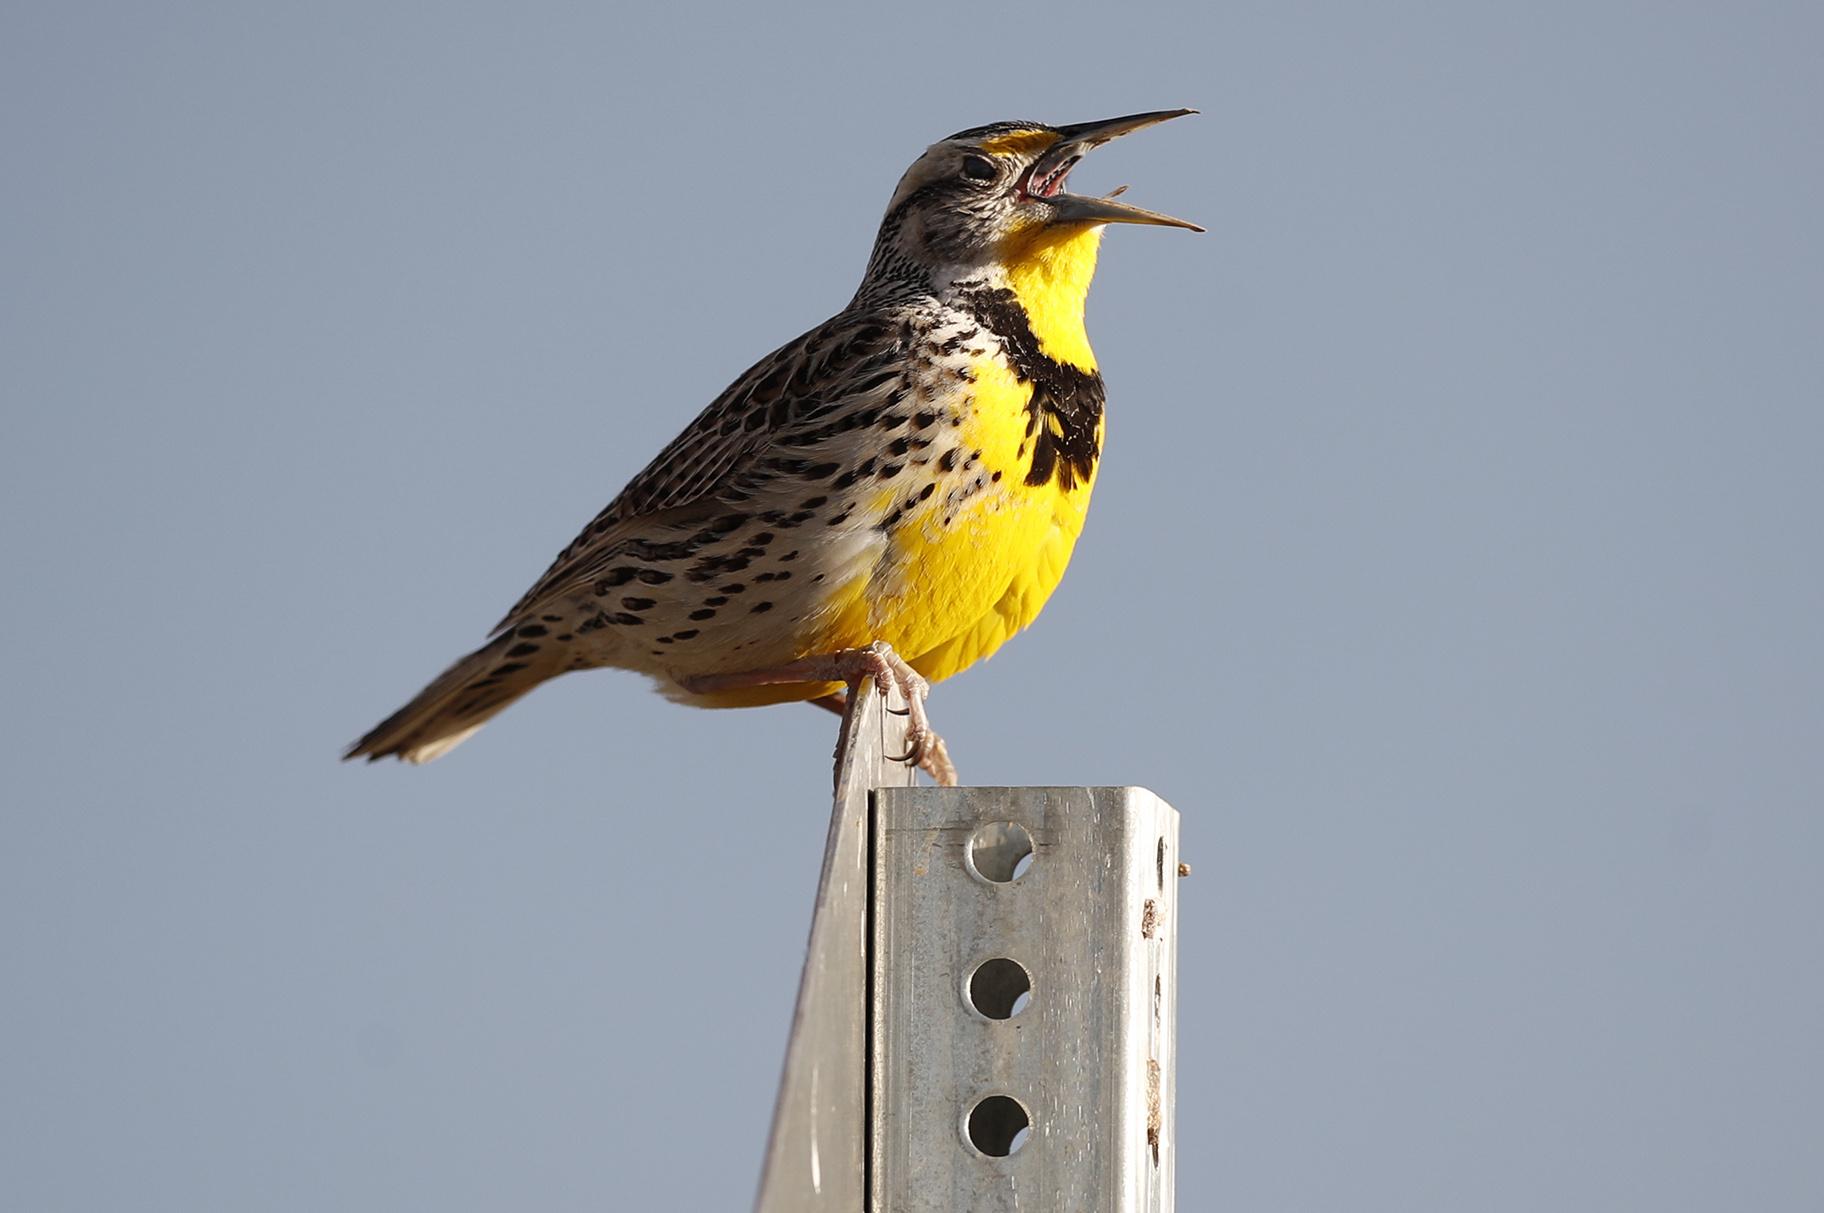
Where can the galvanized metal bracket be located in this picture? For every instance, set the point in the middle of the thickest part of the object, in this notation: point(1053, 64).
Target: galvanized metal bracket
point(816, 1156)
point(987, 1018)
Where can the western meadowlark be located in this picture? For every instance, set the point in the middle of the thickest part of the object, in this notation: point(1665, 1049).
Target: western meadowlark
point(893, 494)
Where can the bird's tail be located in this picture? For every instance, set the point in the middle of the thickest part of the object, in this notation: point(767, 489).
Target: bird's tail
point(459, 701)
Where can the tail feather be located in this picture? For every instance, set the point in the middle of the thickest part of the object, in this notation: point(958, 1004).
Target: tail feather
point(456, 703)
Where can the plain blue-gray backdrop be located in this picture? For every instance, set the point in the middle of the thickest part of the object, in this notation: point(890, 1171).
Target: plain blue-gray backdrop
point(1455, 570)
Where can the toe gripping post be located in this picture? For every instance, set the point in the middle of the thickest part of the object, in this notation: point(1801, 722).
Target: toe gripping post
point(987, 1016)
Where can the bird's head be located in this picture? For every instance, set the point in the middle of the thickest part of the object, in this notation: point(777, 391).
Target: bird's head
point(995, 195)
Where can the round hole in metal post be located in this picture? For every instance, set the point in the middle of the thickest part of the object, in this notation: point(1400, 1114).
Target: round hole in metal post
point(1000, 851)
point(1000, 988)
point(998, 1126)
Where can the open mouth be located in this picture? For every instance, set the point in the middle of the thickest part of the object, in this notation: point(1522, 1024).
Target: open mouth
point(1047, 181)
point(1044, 182)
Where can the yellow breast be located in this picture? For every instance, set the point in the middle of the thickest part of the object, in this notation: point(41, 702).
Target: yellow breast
point(970, 584)
point(963, 579)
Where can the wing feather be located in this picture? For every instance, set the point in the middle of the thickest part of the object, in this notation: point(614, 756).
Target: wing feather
point(781, 402)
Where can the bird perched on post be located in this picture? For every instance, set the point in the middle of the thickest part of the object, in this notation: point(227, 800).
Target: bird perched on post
point(891, 495)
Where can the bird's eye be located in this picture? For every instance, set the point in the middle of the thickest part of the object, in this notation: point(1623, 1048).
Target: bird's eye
point(978, 168)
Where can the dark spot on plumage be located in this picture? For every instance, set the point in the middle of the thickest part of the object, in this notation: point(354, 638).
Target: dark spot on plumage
point(760, 608)
point(890, 470)
point(703, 613)
point(655, 576)
point(926, 492)
point(638, 604)
point(726, 524)
point(846, 480)
point(922, 421)
point(626, 619)
point(552, 618)
point(775, 575)
point(664, 640)
point(899, 446)
point(716, 601)
point(996, 477)
point(733, 587)
point(841, 518)
point(615, 577)
point(954, 341)
point(715, 565)
point(811, 503)
point(511, 667)
point(686, 634)
point(947, 461)
point(791, 555)
point(762, 539)
point(565, 638)
point(820, 471)
point(531, 630)
point(522, 650)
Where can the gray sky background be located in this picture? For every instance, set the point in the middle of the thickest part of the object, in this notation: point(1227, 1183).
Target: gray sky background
point(1455, 570)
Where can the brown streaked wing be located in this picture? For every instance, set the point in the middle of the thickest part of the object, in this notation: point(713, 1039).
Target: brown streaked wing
point(792, 388)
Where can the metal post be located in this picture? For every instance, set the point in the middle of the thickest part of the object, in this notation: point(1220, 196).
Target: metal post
point(1025, 966)
point(816, 1155)
point(987, 1019)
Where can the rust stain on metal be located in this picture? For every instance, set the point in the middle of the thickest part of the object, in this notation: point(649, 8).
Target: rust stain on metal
point(1155, 1118)
point(1149, 919)
point(1184, 869)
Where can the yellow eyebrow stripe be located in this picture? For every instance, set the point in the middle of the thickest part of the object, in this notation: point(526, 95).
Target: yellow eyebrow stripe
point(1019, 143)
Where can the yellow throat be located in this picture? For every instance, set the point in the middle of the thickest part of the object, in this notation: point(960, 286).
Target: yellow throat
point(1049, 270)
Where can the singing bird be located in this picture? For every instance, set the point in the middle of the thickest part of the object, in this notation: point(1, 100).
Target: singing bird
point(891, 495)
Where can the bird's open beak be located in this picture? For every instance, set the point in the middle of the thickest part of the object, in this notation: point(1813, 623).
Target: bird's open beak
point(1044, 182)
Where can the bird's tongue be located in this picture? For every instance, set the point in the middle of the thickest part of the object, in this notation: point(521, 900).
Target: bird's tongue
point(1051, 183)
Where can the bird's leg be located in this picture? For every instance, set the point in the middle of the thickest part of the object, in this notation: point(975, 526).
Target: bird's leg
point(877, 661)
